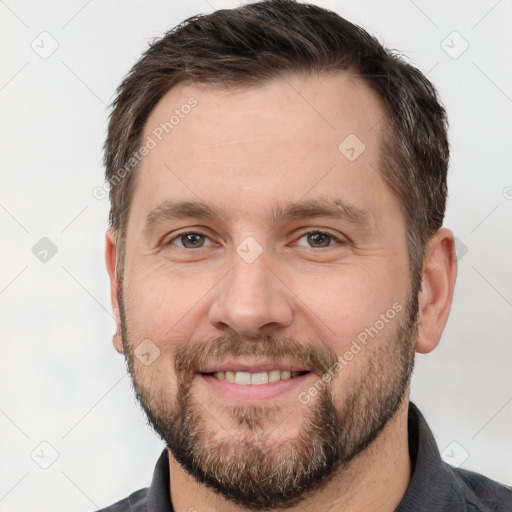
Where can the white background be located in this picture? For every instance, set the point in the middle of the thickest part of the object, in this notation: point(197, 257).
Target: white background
point(60, 379)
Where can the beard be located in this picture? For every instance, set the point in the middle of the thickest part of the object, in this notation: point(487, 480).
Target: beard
point(247, 466)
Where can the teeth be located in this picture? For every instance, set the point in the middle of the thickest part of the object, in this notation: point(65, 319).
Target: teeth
point(274, 375)
point(243, 378)
point(259, 378)
point(246, 378)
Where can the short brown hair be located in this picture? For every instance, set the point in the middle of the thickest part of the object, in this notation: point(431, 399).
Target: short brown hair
point(252, 44)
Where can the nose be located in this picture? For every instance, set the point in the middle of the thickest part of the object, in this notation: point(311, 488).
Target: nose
point(251, 300)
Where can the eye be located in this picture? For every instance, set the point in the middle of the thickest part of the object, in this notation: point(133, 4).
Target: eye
point(318, 239)
point(190, 240)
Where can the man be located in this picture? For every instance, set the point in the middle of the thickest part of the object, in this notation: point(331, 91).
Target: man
point(277, 257)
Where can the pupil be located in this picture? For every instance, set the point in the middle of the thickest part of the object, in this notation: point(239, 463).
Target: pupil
point(191, 240)
point(319, 239)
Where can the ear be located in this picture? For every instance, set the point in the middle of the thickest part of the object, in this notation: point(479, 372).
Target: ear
point(436, 294)
point(110, 260)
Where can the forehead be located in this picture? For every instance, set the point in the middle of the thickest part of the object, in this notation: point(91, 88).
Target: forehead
point(299, 107)
point(291, 137)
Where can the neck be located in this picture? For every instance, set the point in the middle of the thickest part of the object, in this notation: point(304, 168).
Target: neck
point(375, 480)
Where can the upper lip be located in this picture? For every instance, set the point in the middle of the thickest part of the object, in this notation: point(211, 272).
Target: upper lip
point(238, 366)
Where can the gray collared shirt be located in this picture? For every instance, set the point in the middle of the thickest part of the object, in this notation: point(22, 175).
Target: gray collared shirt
point(435, 486)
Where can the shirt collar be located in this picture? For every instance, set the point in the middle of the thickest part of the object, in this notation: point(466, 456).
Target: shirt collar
point(434, 484)
point(158, 498)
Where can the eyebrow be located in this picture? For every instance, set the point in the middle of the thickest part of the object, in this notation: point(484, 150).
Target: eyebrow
point(338, 209)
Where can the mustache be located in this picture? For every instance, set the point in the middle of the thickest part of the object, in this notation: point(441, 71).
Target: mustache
point(193, 356)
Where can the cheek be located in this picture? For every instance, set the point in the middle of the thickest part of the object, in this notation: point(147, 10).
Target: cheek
point(343, 305)
point(163, 306)
point(359, 321)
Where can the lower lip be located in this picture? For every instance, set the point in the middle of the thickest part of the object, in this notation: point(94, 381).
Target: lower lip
point(252, 392)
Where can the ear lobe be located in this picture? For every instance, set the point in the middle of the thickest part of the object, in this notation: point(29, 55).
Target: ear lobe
point(436, 294)
point(117, 340)
point(110, 260)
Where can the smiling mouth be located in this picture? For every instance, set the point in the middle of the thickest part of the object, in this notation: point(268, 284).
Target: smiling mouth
point(257, 378)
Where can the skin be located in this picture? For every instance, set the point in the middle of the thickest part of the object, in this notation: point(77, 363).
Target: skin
point(244, 150)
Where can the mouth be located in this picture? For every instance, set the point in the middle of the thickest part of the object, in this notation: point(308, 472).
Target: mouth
point(257, 378)
point(253, 382)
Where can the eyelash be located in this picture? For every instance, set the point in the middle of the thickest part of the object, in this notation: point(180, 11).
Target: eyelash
point(314, 231)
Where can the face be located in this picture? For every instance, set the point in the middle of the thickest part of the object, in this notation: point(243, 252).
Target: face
point(266, 310)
